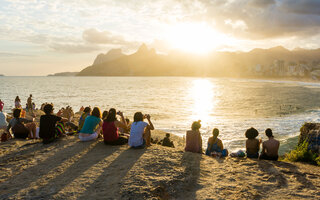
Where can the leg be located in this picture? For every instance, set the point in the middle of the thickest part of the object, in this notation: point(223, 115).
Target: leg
point(147, 137)
point(32, 127)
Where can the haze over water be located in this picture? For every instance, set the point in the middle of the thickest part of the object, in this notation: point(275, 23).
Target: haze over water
point(232, 105)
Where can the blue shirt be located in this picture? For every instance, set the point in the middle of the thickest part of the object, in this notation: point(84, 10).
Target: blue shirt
point(90, 124)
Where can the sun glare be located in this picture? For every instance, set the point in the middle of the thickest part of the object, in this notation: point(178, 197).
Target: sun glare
point(202, 93)
point(196, 38)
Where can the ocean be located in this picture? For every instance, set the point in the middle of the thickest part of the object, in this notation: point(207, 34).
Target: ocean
point(231, 105)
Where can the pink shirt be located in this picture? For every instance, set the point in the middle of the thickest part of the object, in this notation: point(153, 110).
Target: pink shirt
point(193, 142)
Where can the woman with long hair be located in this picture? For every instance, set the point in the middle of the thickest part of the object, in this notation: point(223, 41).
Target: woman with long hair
point(92, 126)
point(215, 146)
point(110, 128)
point(140, 132)
point(17, 102)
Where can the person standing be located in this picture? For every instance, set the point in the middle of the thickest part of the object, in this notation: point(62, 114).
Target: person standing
point(29, 103)
point(270, 147)
point(17, 102)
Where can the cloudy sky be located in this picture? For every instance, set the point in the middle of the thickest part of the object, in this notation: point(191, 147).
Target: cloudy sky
point(38, 37)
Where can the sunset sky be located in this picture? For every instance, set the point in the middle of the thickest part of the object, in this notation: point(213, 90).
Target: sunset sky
point(38, 37)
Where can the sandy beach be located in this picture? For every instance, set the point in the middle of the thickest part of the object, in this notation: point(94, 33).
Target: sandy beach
point(70, 169)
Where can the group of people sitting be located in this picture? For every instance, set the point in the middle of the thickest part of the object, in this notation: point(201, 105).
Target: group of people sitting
point(215, 148)
point(94, 124)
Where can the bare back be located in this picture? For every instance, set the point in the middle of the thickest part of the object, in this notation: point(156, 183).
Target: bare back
point(271, 147)
point(252, 146)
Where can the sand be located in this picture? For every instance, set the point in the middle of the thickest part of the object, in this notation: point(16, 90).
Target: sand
point(70, 169)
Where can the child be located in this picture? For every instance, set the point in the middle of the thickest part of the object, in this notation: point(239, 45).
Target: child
point(167, 142)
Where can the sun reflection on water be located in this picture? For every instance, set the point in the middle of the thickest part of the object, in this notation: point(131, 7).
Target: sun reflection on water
point(203, 93)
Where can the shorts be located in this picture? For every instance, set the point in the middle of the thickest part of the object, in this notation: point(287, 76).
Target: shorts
point(88, 138)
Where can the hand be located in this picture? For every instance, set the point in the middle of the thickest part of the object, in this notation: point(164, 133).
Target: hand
point(148, 116)
point(120, 113)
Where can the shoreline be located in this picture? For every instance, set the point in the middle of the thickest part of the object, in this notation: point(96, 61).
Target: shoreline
point(302, 80)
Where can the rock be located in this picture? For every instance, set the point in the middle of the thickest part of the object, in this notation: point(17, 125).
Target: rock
point(311, 133)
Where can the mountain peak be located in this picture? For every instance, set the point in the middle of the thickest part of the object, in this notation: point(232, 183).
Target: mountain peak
point(279, 48)
point(143, 48)
point(111, 55)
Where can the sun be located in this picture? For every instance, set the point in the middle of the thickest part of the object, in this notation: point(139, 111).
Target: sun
point(196, 38)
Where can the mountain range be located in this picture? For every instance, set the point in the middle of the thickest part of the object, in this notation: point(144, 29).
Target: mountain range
point(146, 62)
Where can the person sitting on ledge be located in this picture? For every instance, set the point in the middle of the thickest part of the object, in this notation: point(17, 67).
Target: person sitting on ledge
point(215, 146)
point(19, 129)
point(167, 142)
point(270, 147)
point(252, 144)
point(85, 114)
point(140, 131)
point(111, 127)
point(50, 128)
point(194, 139)
point(92, 126)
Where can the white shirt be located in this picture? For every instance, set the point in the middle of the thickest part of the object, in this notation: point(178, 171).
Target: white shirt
point(136, 133)
point(3, 121)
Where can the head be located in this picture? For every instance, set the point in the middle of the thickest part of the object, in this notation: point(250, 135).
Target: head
point(48, 109)
point(17, 98)
point(111, 117)
point(96, 112)
point(127, 120)
point(196, 125)
point(215, 132)
point(16, 113)
point(138, 116)
point(251, 133)
point(30, 95)
point(167, 135)
point(269, 133)
point(105, 114)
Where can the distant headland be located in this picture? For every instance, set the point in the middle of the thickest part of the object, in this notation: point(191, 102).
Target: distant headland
point(277, 62)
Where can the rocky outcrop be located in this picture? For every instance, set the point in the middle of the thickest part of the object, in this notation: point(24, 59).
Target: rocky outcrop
point(111, 55)
point(311, 132)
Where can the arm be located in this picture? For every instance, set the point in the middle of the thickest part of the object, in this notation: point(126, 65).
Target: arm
point(150, 126)
point(64, 119)
point(220, 145)
point(209, 144)
point(200, 138)
point(122, 123)
point(9, 126)
point(263, 149)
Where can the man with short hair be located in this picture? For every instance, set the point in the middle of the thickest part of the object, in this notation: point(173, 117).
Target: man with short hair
point(270, 147)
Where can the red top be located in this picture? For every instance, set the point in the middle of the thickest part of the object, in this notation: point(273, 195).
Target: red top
point(110, 131)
